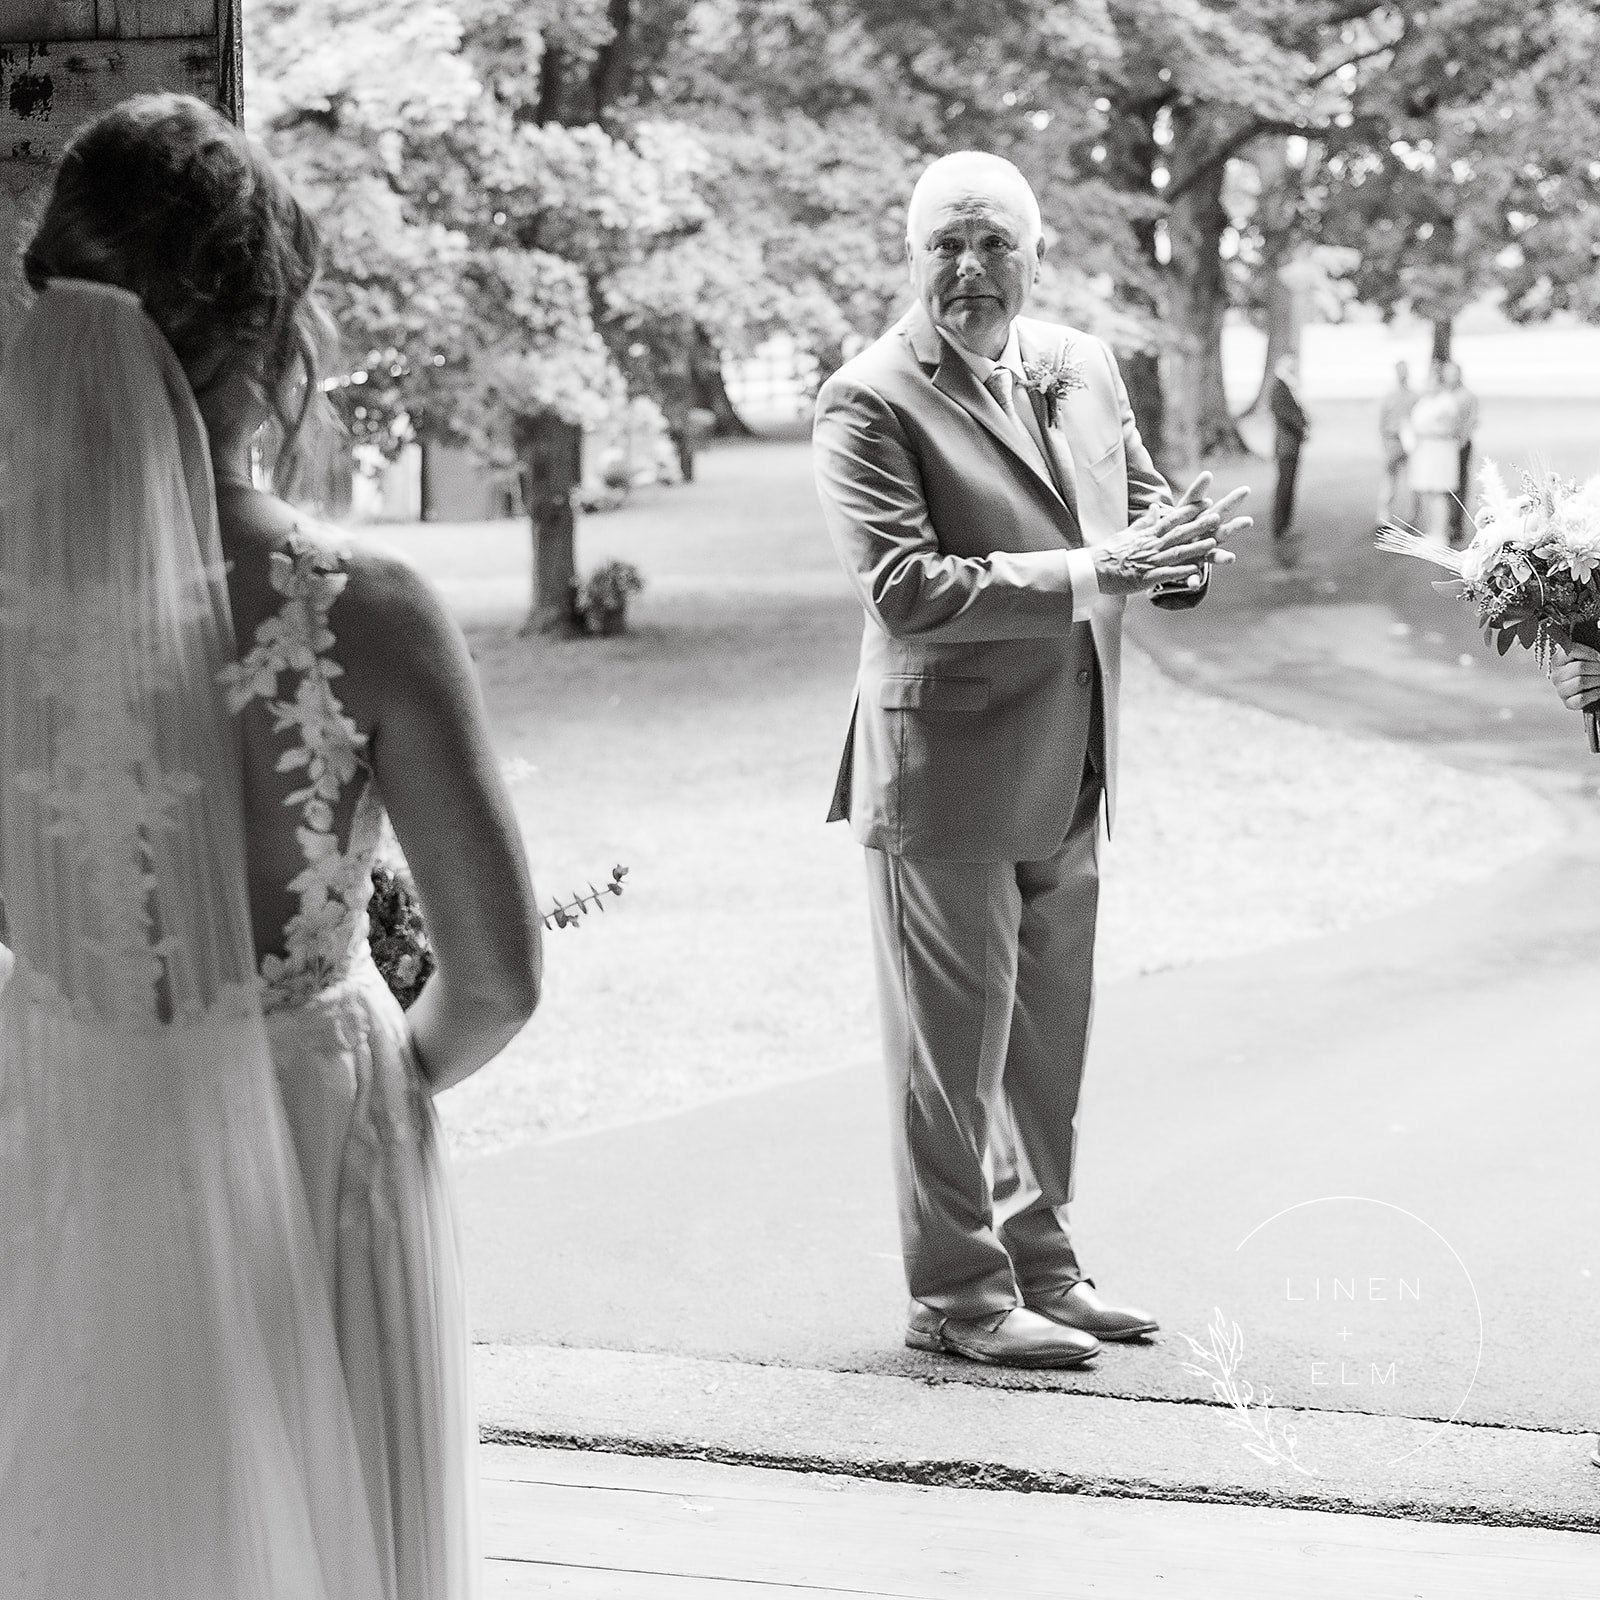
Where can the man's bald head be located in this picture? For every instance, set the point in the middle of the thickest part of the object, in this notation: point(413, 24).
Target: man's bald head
point(966, 180)
point(973, 244)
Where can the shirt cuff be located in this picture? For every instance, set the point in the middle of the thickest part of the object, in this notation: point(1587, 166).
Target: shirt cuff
point(1085, 583)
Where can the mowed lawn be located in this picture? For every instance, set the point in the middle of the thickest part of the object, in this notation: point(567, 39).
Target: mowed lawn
point(699, 750)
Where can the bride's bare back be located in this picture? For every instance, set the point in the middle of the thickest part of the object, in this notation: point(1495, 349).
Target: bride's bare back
point(404, 678)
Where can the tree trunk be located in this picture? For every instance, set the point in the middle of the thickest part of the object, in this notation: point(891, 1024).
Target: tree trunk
point(1443, 328)
point(675, 380)
point(613, 62)
point(552, 65)
point(425, 450)
point(553, 450)
point(1130, 154)
point(1281, 303)
point(1282, 297)
point(705, 365)
point(1200, 423)
point(1141, 372)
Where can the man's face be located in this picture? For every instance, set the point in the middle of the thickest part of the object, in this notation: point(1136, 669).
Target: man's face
point(973, 267)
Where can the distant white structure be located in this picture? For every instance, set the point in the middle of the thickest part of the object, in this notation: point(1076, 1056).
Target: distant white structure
point(775, 385)
point(1354, 359)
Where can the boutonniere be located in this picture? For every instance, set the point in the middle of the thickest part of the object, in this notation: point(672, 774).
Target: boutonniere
point(1054, 378)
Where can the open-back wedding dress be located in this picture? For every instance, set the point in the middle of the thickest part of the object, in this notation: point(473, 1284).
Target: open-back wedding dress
point(232, 1339)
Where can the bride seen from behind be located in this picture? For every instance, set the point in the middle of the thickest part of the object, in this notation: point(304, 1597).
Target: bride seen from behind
point(233, 1299)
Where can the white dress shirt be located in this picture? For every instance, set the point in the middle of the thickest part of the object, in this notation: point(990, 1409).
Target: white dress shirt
point(1080, 562)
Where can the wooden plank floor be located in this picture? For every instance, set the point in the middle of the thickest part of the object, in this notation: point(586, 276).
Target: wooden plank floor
point(599, 1527)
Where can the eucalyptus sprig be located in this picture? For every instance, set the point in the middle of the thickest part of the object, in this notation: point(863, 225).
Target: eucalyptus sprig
point(565, 914)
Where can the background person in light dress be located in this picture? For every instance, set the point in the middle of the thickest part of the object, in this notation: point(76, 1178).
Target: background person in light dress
point(1395, 500)
point(233, 1330)
point(1435, 463)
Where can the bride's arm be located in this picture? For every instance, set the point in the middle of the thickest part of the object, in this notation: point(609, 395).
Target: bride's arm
point(439, 776)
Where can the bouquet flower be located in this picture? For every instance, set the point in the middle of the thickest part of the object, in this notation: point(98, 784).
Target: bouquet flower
point(1532, 568)
point(399, 941)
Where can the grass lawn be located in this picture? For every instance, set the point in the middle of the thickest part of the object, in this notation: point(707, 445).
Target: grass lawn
point(700, 749)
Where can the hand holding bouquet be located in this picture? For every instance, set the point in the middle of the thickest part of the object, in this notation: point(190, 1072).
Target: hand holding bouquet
point(1532, 568)
point(399, 940)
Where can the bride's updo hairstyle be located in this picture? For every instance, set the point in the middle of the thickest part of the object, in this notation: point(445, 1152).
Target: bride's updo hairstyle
point(165, 197)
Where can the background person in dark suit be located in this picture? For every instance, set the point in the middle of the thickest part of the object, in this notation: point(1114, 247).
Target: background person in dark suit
point(1290, 428)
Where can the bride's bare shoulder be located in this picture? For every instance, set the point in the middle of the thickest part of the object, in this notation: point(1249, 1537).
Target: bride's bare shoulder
point(398, 644)
point(392, 634)
point(266, 540)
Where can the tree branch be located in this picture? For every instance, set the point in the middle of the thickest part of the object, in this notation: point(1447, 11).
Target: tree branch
point(1258, 126)
point(1251, 131)
point(1319, 78)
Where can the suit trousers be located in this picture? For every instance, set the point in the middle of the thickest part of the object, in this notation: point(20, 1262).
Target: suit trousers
point(1283, 491)
point(985, 974)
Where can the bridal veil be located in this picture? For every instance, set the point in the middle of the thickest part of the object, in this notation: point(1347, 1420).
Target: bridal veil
point(174, 1421)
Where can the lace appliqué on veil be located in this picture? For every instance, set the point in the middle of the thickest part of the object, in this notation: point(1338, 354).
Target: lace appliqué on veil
point(105, 795)
point(330, 927)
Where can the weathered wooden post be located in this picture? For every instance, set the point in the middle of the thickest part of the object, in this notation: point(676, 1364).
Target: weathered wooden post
point(63, 62)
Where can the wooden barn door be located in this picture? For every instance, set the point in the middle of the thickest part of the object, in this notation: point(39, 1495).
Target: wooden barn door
point(63, 62)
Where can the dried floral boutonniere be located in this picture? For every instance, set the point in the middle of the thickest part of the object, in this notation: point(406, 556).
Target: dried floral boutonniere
point(1053, 378)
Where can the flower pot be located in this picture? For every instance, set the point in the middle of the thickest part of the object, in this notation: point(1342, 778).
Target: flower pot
point(608, 619)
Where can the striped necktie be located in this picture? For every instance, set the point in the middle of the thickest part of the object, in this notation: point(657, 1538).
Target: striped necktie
point(998, 383)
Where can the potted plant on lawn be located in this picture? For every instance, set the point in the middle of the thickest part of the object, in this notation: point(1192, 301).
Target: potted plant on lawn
point(602, 600)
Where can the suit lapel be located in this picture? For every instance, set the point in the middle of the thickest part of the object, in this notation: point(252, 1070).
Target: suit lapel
point(1058, 440)
point(1060, 456)
point(954, 379)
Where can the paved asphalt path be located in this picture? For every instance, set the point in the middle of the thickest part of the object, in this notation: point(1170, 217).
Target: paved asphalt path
point(1433, 1062)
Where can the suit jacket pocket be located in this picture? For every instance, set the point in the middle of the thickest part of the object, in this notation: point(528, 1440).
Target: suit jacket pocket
point(910, 692)
point(1103, 462)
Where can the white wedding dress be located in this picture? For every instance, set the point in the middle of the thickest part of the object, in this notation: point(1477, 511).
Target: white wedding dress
point(233, 1351)
point(370, 1148)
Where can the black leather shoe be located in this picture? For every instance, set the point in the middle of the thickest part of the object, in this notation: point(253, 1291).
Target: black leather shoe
point(1080, 1307)
point(1014, 1338)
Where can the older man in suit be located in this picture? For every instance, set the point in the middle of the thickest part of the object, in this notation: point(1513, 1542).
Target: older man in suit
point(987, 491)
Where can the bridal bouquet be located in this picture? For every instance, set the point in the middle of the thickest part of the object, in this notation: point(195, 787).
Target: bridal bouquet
point(1532, 568)
point(399, 940)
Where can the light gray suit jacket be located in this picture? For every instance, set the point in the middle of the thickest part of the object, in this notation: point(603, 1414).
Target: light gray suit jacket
point(974, 697)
